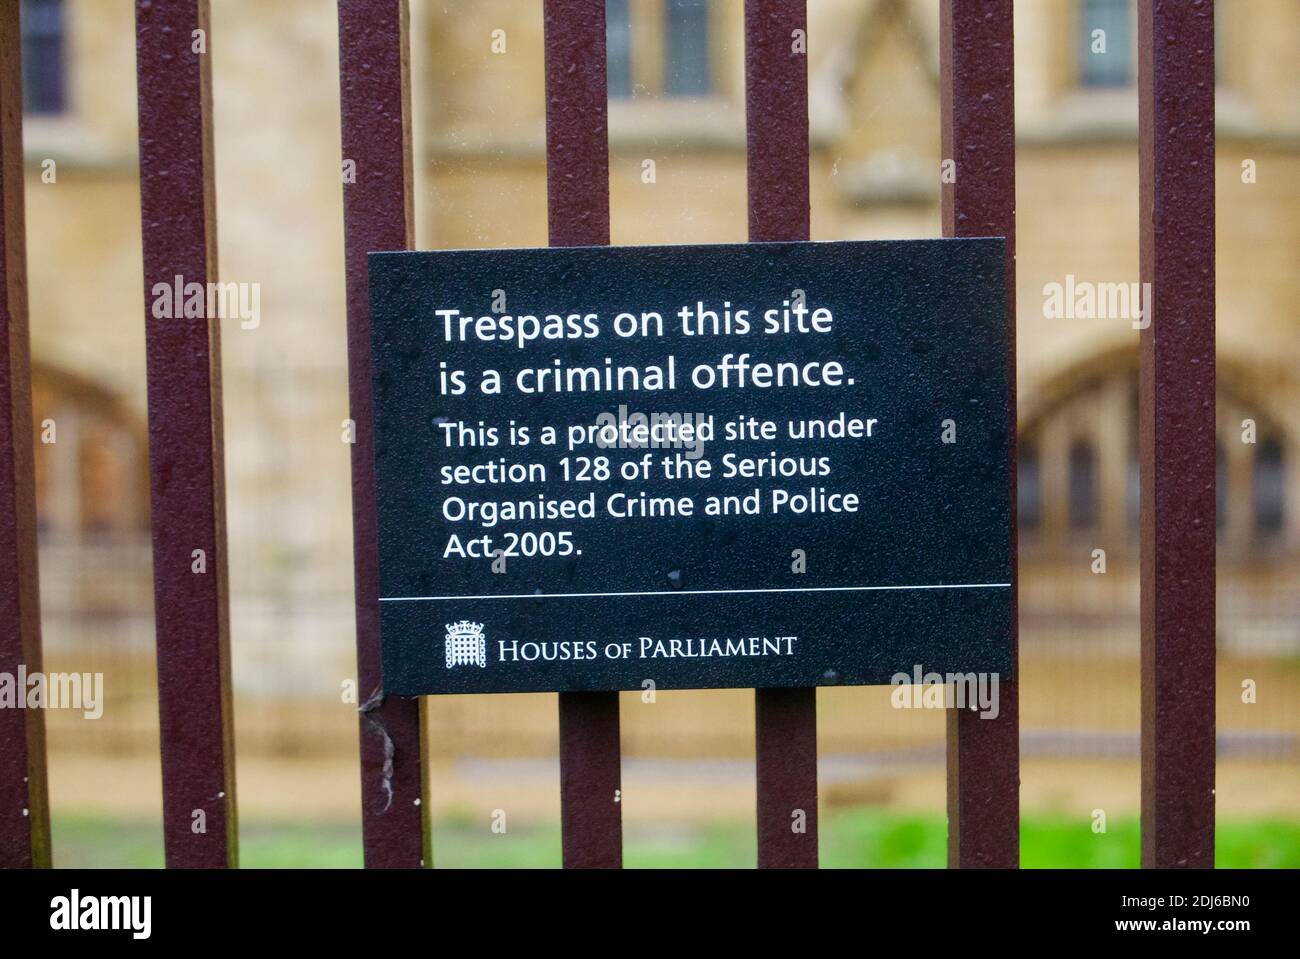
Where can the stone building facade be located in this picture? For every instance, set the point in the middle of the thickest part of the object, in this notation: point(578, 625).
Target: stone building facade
point(677, 174)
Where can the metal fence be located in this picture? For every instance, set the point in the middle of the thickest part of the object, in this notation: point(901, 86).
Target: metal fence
point(185, 435)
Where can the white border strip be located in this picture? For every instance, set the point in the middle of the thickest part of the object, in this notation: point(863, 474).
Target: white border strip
point(697, 592)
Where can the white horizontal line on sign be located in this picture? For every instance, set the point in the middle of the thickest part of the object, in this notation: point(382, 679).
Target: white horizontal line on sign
point(698, 592)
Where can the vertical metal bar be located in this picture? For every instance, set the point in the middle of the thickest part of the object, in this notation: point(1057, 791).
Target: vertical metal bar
point(577, 124)
point(374, 99)
point(24, 806)
point(186, 469)
point(1176, 124)
point(577, 196)
point(977, 92)
point(785, 738)
point(776, 117)
point(590, 779)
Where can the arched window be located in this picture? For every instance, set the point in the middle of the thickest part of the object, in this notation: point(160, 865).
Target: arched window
point(1079, 464)
point(91, 455)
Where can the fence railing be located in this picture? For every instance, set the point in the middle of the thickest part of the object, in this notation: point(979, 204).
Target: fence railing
point(1176, 92)
point(24, 795)
point(978, 126)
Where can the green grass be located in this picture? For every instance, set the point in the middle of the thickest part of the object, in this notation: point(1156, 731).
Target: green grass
point(849, 839)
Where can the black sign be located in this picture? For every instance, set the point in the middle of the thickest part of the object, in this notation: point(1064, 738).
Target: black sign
point(778, 464)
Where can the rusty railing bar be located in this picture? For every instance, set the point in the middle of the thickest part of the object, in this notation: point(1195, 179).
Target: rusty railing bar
point(1176, 200)
point(374, 101)
point(186, 470)
point(776, 120)
point(24, 804)
point(977, 93)
point(577, 198)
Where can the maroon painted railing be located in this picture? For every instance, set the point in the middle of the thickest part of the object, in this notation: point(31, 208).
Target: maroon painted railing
point(184, 399)
point(1176, 197)
point(776, 118)
point(186, 469)
point(24, 809)
point(374, 99)
point(577, 210)
point(978, 130)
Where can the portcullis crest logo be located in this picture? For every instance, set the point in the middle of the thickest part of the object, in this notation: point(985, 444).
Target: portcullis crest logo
point(465, 644)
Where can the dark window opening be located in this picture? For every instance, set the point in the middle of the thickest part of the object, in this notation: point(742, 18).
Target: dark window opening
point(618, 48)
point(1133, 463)
point(1029, 488)
point(1267, 487)
point(1133, 492)
point(686, 48)
point(1114, 68)
point(1220, 486)
point(1082, 487)
point(42, 52)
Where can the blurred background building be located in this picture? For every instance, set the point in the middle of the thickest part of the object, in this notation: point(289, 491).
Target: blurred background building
point(677, 174)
